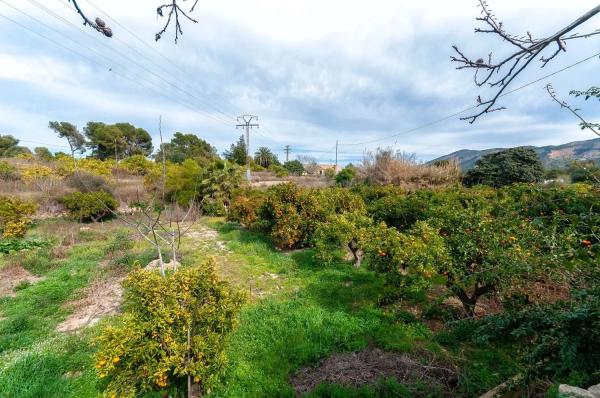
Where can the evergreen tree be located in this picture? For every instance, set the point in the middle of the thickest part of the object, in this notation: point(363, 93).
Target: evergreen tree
point(237, 152)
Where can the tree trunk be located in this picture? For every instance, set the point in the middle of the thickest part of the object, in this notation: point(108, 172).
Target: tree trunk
point(353, 246)
point(189, 377)
point(161, 263)
point(469, 303)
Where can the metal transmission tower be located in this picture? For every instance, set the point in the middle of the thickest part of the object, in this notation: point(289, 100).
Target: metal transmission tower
point(287, 151)
point(247, 124)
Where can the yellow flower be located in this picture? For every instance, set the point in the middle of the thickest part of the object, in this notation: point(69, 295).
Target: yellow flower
point(116, 359)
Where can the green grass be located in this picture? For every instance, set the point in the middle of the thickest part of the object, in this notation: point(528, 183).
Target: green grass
point(300, 312)
point(36, 310)
point(58, 367)
point(35, 360)
point(318, 310)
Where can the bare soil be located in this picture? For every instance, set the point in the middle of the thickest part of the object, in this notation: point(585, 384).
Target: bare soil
point(103, 298)
point(373, 364)
point(13, 275)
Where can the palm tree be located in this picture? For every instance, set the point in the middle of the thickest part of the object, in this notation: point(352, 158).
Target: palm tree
point(264, 157)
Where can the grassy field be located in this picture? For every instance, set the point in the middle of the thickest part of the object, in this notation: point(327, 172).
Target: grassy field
point(299, 313)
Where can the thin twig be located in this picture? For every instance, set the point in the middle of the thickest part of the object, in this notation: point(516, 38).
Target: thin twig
point(527, 48)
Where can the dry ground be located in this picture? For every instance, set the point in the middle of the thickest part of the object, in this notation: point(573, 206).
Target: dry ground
point(12, 276)
point(372, 365)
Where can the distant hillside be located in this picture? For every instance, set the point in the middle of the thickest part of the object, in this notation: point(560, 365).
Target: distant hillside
point(552, 156)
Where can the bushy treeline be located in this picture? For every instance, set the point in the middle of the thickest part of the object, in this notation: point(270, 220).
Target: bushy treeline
point(476, 242)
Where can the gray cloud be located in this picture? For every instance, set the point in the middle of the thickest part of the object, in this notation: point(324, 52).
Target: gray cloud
point(380, 74)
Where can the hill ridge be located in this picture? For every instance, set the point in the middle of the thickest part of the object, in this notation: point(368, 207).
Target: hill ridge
point(552, 156)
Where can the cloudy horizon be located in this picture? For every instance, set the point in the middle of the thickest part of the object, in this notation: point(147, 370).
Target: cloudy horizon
point(313, 73)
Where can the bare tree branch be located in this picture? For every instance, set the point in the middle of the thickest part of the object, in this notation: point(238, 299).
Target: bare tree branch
point(500, 74)
point(594, 127)
point(174, 13)
point(98, 24)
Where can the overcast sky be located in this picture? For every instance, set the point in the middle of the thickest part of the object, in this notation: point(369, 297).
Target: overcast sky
point(314, 71)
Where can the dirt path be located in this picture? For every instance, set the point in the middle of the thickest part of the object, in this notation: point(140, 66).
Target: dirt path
point(12, 277)
point(103, 298)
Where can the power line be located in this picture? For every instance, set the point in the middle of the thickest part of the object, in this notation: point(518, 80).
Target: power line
point(45, 144)
point(119, 53)
point(474, 106)
point(150, 60)
point(122, 26)
point(93, 61)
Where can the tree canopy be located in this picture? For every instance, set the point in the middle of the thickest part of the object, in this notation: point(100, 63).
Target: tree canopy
point(506, 167)
point(9, 147)
point(67, 130)
point(265, 157)
point(237, 152)
point(187, 146)
point(294, 167)
point(121, 139)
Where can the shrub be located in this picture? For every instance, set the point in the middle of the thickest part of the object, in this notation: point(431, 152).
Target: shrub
point(346, 176)
point(506, 167)
point(211, 186)
point(65, 166)
point(385, 166)
point(340, 231)
point(279, 170)
point(42, 177)
point(294, 167)
point(86, 206)
point(15, 217)
point(172, 328)
point(556, 340)
point(8, 172)
point(213, 207)
point(408, 260)
point(137, 165)
point(85, 182)
point(9, 245)
point(244, 208)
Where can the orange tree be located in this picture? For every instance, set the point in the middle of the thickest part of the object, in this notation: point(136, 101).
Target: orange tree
point(172, 330)
point(291, 214)
point(340, 231)
point(489, 249)
point(409, 260)
point(244, 207)
point(468, 239)
point(569, 215)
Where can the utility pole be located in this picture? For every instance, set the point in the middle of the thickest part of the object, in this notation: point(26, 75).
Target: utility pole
point(336, 156)
point(287, 150)
point(247, 124)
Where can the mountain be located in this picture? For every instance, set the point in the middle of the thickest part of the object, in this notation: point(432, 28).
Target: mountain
point(552, 156)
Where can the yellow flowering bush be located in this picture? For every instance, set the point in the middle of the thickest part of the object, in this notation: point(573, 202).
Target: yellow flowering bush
point(15, 217)
point(172, 328)
point(65, 166)
point(138, 165)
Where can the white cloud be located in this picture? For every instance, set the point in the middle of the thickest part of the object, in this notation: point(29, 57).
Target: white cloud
point(313, 71)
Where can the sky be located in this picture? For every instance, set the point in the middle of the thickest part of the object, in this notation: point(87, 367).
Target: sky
point(313, 71)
